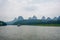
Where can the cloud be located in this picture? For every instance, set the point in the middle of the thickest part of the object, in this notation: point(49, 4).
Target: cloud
point(10, 9)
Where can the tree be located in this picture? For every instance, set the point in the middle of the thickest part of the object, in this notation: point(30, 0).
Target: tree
point(2, 23)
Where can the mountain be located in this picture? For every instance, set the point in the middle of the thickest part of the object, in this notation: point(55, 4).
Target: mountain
point(33, 20)
point(11, 22)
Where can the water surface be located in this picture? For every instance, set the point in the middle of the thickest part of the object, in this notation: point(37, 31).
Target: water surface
point(26, 32)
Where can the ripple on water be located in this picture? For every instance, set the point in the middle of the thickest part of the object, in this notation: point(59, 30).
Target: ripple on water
point(26, 32)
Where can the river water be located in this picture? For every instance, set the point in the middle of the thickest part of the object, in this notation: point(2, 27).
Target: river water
point(26, 32)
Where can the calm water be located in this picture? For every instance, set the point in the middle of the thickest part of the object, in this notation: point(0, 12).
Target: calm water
point(26, 32)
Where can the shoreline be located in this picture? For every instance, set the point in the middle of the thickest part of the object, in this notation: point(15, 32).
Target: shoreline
point(58, 25)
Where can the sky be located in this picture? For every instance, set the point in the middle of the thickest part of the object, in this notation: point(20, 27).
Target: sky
point(9, 9)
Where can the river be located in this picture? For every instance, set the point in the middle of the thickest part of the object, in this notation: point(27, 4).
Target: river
point(27, 32)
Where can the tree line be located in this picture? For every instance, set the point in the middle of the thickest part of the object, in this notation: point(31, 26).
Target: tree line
point(34, 21)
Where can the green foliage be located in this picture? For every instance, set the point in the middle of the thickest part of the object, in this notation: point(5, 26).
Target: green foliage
point(35, 21)
point(2, 23)
point(47, 25)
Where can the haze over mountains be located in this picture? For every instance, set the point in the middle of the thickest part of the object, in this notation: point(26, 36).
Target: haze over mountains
point(34, 20)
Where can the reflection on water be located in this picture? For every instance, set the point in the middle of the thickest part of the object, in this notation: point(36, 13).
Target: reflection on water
point(25, 32)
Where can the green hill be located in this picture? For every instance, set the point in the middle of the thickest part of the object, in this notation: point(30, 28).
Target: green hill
point(2, 23)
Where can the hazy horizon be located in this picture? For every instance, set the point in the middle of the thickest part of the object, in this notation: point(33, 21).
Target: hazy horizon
point(9, 9)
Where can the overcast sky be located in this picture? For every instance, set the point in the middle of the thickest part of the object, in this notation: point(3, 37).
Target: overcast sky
point(9, 9)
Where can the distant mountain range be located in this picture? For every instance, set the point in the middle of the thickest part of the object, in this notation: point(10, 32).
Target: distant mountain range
point(33, 21)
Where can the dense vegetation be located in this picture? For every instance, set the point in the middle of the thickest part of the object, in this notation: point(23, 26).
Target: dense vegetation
point(2, 23)
point(34, 21)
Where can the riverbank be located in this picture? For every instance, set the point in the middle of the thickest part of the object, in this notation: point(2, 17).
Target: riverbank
point(47, 25)
point(58, 25)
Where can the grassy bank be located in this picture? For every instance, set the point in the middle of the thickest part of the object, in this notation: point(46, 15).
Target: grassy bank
point(47, 25)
